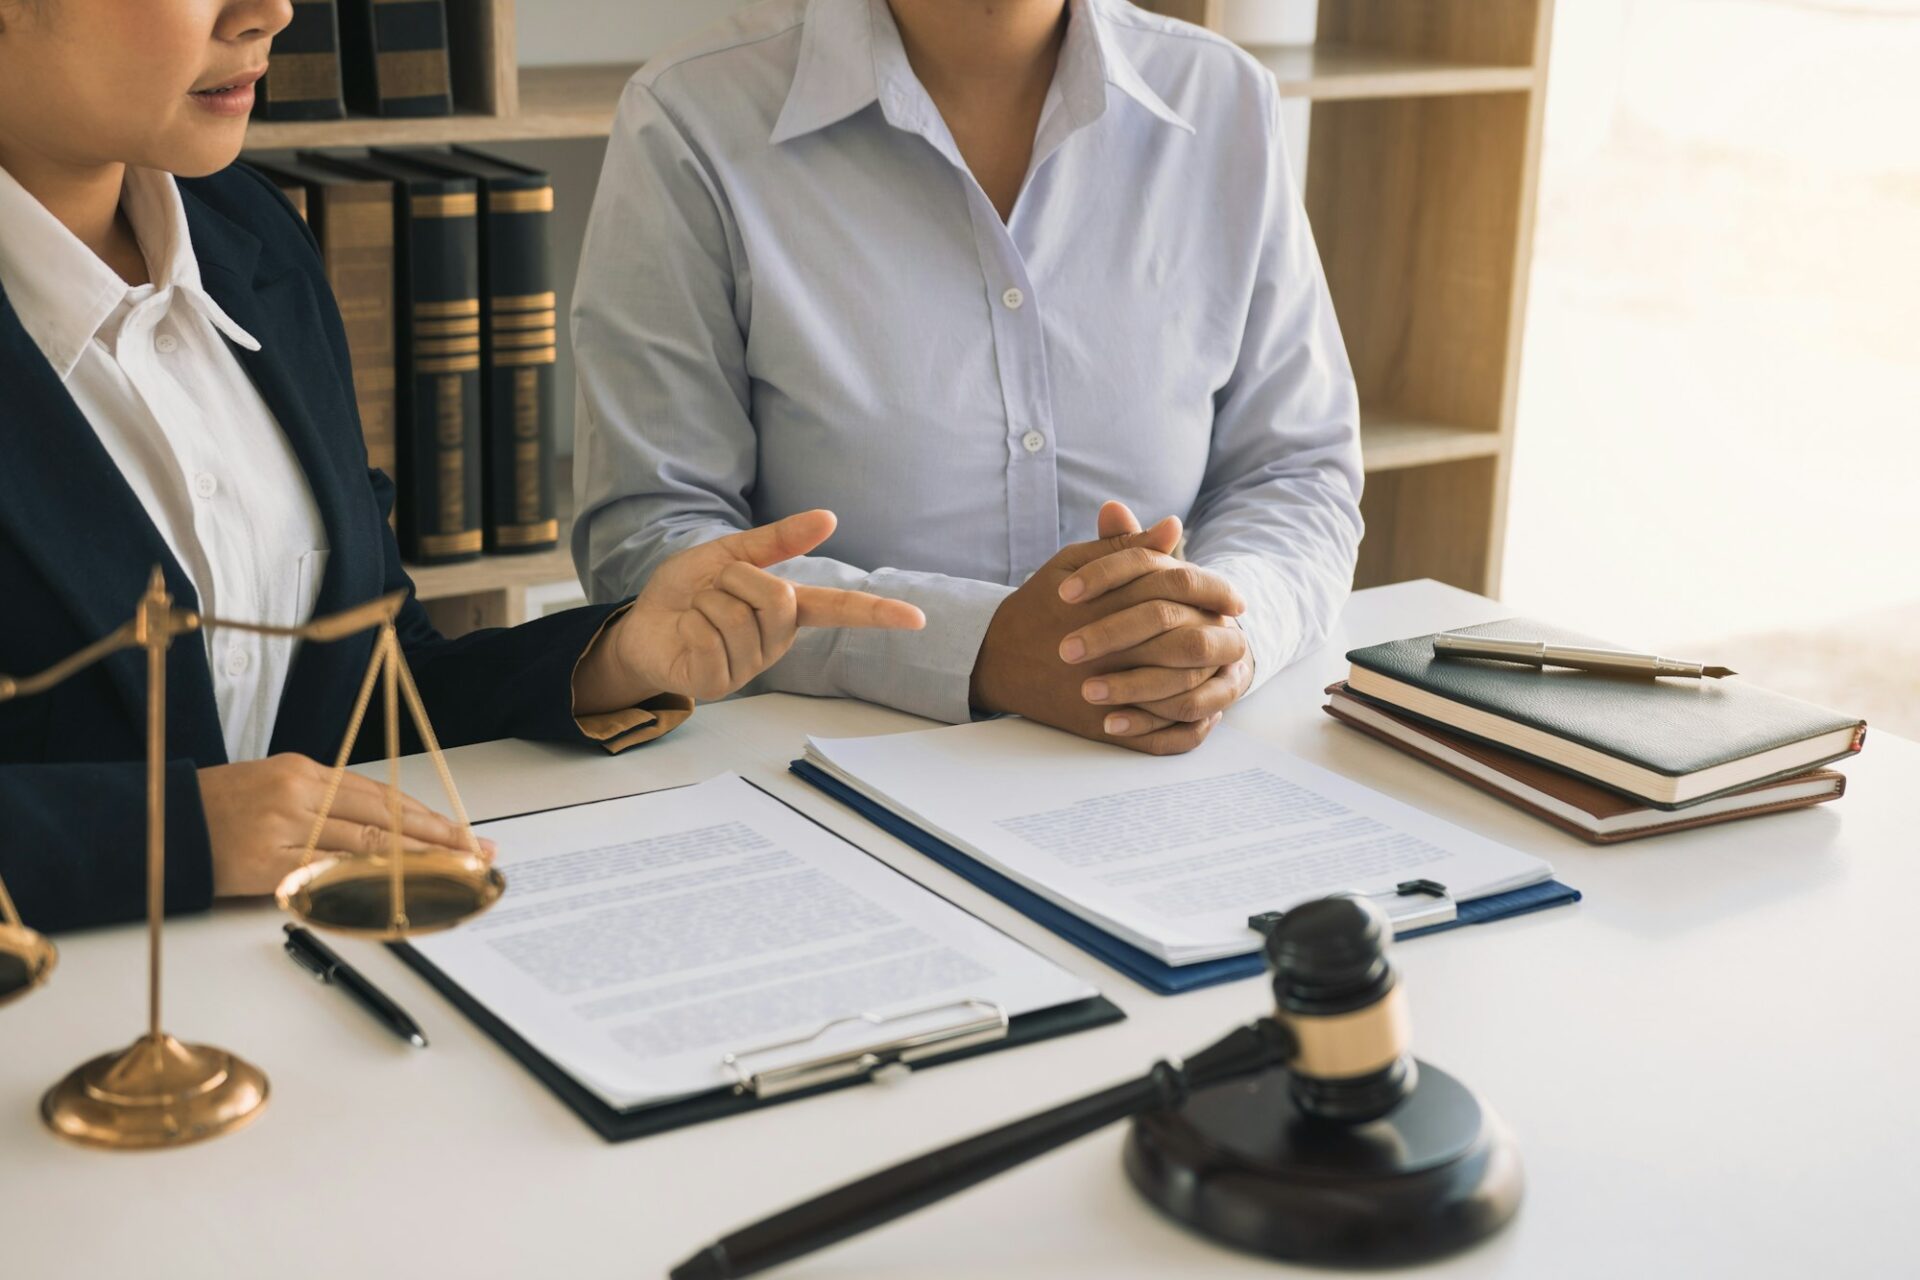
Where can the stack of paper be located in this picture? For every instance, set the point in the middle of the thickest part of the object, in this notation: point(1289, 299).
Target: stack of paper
point(1171, 855)
point(642, 940)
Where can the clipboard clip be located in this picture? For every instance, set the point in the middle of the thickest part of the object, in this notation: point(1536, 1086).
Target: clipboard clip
point(972, 1022)
point(1411, 905)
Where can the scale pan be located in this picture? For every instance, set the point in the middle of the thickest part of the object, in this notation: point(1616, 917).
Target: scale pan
point(355, 895)
point(26, 959)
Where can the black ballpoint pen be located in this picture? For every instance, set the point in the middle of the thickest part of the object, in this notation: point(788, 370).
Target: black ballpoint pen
point(317, 958)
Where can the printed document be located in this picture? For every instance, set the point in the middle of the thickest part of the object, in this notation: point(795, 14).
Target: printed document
point(1171, 854)
point(642, 939)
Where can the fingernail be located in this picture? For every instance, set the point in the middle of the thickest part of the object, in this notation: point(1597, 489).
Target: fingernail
point(1072, 589)
point(1096, 690)
point(489, 848)
point(1073, 649)
point(1214, 719)
point(1118, 724)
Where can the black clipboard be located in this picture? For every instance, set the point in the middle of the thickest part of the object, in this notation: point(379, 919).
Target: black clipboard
point(617, 1125)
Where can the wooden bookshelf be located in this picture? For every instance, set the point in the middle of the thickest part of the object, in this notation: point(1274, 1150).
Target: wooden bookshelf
point(1422, 160)
point(1332, 73)
point(1421, 173)
point(555, 102)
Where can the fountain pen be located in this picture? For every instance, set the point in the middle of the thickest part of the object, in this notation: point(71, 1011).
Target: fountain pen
point(317, 958)
point(1533, 653)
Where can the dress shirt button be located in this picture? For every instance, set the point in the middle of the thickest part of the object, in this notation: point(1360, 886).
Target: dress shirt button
point(238, 661)
point(165, 344)
point(1013, 298)
point(206, 484)
point(1033, 442)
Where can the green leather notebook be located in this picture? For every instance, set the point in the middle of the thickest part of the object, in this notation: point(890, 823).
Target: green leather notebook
point(1668, 742)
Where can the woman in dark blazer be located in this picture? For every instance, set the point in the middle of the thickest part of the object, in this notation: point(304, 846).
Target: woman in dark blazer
point(143, 332)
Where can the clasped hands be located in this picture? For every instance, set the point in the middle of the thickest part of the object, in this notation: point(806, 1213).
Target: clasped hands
point(1118, 641)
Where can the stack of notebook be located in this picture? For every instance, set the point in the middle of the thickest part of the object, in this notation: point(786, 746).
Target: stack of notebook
point(1606, 757)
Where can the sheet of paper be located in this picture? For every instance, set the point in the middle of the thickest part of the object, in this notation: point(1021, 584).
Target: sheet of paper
point(641, 939)
point(1172, 854)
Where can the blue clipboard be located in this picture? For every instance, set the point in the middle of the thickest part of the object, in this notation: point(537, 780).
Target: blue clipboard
point(1147, 970)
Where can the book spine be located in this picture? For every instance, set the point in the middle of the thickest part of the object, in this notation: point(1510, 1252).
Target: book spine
point(303, 73)
point(520, 346)
point(396, 57)
point(355, 227)
point(439, 442)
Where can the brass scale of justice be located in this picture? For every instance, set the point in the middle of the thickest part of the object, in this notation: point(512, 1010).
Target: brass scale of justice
point(159, 1092)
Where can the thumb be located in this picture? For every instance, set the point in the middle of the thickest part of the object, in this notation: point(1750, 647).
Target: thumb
point(782, 540)
point(1117, 518)
point(1163, 537)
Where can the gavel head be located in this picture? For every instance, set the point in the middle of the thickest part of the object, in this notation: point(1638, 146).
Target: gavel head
point(1335, 990)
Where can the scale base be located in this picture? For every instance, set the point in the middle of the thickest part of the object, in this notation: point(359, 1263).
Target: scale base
point(158, 1093)
point(1241, 1165)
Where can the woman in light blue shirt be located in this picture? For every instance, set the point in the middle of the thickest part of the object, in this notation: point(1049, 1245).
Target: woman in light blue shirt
point(963, 273)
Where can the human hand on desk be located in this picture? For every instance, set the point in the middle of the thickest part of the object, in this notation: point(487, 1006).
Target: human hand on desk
point(1184, 661)
point(259, 814)
point(712, 618)
point(1147, 625)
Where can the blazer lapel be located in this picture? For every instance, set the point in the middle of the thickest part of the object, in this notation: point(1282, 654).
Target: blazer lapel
point(64, 501)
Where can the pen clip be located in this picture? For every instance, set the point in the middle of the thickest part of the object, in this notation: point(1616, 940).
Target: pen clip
point(975, 1022)
point(320, 969)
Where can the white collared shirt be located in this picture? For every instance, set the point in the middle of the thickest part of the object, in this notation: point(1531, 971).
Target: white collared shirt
point(794, 294)
point(173, 407)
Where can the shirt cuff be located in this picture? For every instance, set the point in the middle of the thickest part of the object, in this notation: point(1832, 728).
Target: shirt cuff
point(927, 672)
point(654, 718)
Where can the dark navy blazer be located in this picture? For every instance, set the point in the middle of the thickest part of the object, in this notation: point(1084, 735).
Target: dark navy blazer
point(76, 548)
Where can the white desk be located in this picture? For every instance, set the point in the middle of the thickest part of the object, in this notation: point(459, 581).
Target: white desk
point(1709, 1064)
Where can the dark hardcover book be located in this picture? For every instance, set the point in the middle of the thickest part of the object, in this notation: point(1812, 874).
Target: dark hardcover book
point(1668, 742)
point(518, 333)
point(1575, 805)
point(394, 57)
point(352, 218)
point(303, 72)
point(436, 236)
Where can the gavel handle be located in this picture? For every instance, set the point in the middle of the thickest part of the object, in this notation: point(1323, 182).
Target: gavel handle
point(914, 1184)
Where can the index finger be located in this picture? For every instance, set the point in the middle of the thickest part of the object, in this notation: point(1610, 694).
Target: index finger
point(782, 540)
point(833, 607)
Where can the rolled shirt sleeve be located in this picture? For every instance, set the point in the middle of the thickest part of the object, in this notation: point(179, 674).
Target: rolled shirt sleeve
point(666, 445)
point(1278, 514)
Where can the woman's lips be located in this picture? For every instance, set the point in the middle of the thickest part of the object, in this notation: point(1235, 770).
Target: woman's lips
point(233, 97)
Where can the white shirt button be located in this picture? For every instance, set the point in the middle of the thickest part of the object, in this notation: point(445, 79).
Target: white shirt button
point(166, 344)
point(1013, 298)
point(206, 484)
point(238, 661)
point(1033, 442)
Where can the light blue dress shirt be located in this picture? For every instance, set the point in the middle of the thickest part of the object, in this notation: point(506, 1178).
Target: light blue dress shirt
point(795, 295)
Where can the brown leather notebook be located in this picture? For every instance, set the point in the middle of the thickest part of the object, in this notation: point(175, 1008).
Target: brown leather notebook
point(1593, 813)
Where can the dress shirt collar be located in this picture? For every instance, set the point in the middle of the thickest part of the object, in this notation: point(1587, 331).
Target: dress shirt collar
point(64, 293)
point(851, 56)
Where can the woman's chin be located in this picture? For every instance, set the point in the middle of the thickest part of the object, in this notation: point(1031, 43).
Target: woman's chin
point(210, 151)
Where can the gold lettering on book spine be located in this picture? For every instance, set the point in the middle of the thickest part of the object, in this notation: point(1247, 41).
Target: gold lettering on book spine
point(459, 204)
point(539, 200)
point(451, 437)
point(303, 77)
point(411, 73)
point(523, 302)
point(526, 446)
